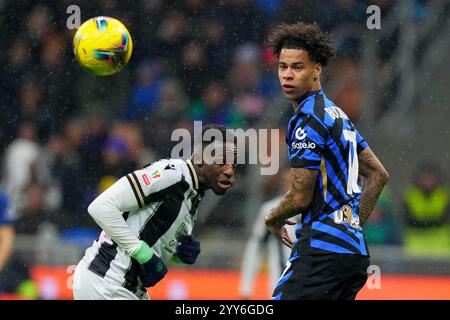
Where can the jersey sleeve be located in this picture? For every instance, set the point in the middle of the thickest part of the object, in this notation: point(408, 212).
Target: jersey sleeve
point(6, 216)
point(361, 143)
point(129, 193)
point(306, 142)
point(149, 181)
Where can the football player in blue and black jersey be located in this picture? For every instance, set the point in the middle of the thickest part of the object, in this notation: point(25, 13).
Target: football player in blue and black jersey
point(7, 234)
point(327, 154)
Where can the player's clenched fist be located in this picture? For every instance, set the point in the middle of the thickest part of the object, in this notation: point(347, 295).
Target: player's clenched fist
point(153, 268)
point(188, 249)
point(152, 271)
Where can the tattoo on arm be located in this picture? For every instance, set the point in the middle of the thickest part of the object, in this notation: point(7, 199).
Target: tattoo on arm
point(298, 199)
point(376, 177)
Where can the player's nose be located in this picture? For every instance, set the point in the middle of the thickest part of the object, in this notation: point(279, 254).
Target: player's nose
point(288, 74)
point(229, 171)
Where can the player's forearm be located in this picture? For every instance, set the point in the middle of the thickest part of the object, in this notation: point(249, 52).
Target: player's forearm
point(376, 177)
point(6, 244)
point(298, 199)
point(372, 190)
point(110, 219)
point(107, 210)
point(292, 204)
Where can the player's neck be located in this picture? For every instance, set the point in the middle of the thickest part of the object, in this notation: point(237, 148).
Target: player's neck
point(201, 180)
point(315, 88)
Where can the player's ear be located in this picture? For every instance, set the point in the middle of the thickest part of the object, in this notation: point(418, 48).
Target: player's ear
point(317, 71)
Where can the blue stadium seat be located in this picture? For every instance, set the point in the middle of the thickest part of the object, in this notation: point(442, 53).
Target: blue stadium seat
point(79, 236)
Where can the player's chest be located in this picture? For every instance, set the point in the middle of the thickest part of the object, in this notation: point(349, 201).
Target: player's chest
point(184, 222)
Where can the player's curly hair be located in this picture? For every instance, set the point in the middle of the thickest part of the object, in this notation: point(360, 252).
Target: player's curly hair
point(319, 45)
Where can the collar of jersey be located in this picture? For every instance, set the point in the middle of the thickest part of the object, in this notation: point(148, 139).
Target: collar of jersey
point(193, 174)
point(305, 97)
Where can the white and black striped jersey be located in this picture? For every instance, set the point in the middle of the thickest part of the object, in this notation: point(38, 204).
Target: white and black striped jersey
point(157, 204)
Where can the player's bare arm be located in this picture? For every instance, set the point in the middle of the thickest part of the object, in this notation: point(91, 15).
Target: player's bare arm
point(7, 236)
point(297, 200)
point(376, 177)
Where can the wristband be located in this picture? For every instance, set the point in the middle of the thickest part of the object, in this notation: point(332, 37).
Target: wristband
point(143, 254)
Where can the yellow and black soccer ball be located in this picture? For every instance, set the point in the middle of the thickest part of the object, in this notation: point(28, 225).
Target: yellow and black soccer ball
point(102, 45)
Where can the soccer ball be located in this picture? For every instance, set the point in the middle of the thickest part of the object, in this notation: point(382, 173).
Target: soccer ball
point(102, 45)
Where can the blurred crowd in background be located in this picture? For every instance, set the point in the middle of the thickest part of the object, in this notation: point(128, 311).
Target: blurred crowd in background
point(67, 135)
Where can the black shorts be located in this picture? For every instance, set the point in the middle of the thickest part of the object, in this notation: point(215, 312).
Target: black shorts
point(327, 276)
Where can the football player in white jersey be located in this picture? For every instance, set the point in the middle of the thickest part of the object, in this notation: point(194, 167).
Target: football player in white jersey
point(147, 219)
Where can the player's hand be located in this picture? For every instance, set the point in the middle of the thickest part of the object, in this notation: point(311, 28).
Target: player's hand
point(279, 231)
point(152, 271)
point(188, 250)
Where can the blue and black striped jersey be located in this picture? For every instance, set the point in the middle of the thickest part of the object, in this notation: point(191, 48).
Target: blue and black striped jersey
point(321, 137)
point(6, 214)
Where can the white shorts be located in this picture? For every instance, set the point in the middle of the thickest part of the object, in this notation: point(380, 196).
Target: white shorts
point(89, 286)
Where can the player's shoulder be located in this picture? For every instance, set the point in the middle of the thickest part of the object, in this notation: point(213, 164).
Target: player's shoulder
point(168, 171)
point(6, 216)
point(310, 118)
point(332, 113)
point(313, 110)
point(167, 164)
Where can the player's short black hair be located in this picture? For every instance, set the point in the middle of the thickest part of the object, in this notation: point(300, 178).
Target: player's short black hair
point(319, 45)
point(226, 135)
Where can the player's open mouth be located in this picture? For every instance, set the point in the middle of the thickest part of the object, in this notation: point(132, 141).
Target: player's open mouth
point(288, 88)
point(225, 184)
